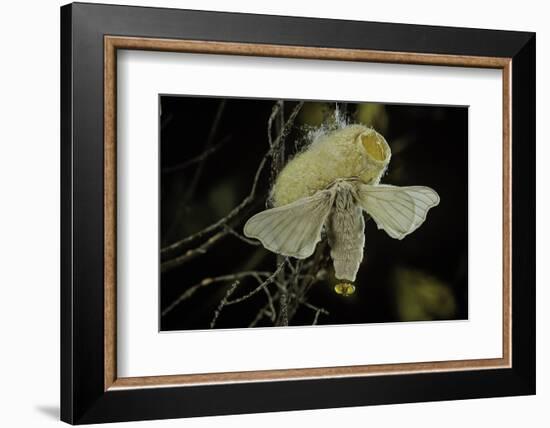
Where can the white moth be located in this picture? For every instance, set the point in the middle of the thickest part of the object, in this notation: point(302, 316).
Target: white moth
point(328, 187)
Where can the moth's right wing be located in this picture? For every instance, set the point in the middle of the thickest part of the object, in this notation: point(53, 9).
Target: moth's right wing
point(293, 229)
point(397, 210)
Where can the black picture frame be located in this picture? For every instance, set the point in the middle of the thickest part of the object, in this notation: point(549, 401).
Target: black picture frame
point(83, 396)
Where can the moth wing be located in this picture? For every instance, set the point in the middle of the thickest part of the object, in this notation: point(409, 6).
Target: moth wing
point(293, 229)
point(397, 210)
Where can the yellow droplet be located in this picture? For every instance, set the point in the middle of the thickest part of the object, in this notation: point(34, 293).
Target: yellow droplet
point(344, 289)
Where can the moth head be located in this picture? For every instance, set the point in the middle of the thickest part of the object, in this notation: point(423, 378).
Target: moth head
point(376, 153)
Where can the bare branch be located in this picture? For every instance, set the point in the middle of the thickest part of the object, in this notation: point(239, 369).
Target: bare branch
point(292, 284)
point(213, 129)
point(182, 204)
point(263, 284)
point(207, 281)
point(205, 154)
point(283, 311)
point(241, 237)
point(318, 311)
point(272, 310)
point(261, 313)
point(191, 254)
point(235, 211)
point(274, 112)
point(223, 220)
point(308, 279)
point(279, 154)
point(316, 318)
point(267, 310)
point(315, 308)
point(223, 302)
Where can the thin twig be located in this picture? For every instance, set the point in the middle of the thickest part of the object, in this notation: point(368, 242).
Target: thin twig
point(315, 308)
point(207, 153)
point(270, 304)
point(198, 172)
point(296, 274)
point(192, 253)
point(261, 313)
point(190, 191)
point(316, 318)
point(308, 279)
point(263, 284)
point(267, 309)
point(292, 284)
point(207, 281)
point(283, 305)
point(202, 249)
point(224, 220)
point(277, 113)
point(223, 302)
point(278, 159)
point(274, 112)
point(233, 232)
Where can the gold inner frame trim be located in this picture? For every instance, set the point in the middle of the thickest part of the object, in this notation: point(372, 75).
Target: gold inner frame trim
point(113, 43)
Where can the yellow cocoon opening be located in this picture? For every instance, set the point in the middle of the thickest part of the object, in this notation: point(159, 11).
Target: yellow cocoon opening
point(352, 151)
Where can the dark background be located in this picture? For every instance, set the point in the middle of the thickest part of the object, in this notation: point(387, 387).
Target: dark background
point(423, 277)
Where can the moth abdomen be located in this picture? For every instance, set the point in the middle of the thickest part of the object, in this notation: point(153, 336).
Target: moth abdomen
point(345, 231)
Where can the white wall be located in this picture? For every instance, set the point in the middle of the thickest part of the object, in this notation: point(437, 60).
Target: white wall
point(29, 214)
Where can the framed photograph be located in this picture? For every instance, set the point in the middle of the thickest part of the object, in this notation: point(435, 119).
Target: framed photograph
point(266, 213)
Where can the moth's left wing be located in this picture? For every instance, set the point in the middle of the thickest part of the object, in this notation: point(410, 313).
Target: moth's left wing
point(293, 229)
point(397, 210)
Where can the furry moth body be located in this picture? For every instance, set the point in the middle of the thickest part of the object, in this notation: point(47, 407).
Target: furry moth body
point(345, 228)
point(327, 187)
